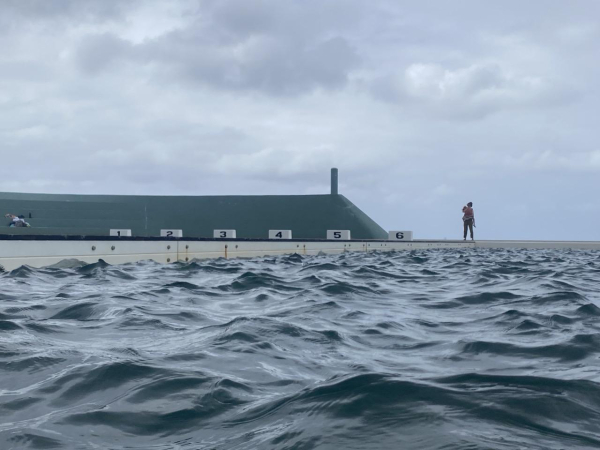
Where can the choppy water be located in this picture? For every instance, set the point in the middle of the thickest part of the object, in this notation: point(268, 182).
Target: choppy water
point(440, 349)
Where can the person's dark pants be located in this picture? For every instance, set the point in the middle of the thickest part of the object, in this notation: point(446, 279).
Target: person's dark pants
point(468, 225)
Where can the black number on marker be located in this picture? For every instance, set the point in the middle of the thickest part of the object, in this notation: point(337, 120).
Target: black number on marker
point(279, 235)
point(223, 234)
point(400, 235)
point(337, 234)
point(169, 233)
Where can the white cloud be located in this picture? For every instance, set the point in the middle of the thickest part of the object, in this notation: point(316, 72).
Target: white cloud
point(544, 160)
point(471, 92)
point(578, 34)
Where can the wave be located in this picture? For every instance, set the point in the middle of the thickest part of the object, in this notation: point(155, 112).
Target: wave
point(31, 364)
point(487, 297)
point(8, 325)
point(435, 349)
point(33, 440)
point(91, 268)
point(577, 348)
point(80, 311)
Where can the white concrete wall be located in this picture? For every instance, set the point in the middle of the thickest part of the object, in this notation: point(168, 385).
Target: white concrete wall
point(40, 253)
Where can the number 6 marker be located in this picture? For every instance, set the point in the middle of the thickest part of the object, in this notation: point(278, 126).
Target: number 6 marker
point(400, 236)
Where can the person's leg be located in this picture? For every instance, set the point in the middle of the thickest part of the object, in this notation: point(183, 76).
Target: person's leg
point(465, 227)
point(471, 228)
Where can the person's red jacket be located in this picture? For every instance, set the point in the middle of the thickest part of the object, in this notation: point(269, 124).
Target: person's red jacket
point(469, 213)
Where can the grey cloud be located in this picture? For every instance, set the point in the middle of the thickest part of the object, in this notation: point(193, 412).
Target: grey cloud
point(32, 71)
point(279, 68)
point(246, 18)
point(68, 9)
point(238, 46)
point(95, 53)
point(295, 20)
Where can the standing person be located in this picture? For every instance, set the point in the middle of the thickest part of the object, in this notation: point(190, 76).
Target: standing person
point(468, 219)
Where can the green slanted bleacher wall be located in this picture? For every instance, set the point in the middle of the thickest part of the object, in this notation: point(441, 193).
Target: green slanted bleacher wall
point(308, 216)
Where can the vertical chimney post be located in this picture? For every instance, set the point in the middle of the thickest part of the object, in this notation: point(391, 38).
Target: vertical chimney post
point(334, 181)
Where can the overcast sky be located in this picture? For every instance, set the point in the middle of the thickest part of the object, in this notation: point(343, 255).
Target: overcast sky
point(423, 106)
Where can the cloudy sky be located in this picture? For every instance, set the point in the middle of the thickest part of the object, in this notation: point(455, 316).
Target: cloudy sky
point(423, 106)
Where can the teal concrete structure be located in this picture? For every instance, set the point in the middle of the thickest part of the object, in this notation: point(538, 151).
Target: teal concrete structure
point(308, 216)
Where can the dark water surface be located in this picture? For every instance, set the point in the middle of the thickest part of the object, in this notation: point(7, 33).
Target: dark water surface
point(436, 349)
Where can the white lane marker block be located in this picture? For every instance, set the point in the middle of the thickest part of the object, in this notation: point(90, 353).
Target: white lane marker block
point(280, 234)
point(400, 236)
point(338, 235)
point(224, 234)
point(171, 233)
point(120, 232)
